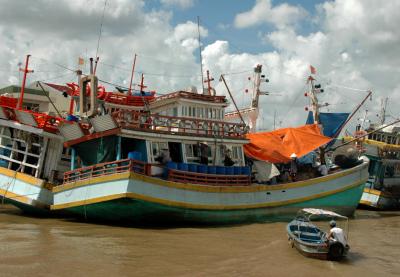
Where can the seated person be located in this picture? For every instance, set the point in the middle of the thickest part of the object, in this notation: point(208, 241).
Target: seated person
point(164, 156)
point(228, 160)
point(336, 234)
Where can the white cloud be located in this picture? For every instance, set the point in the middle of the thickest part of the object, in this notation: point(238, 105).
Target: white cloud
point(263, 12)
point(355, 44)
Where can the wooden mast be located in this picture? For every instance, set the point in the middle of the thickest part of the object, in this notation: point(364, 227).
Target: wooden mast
point(26, 71)
point(133, 72)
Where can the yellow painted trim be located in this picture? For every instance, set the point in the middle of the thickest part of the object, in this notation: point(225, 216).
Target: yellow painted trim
point(22, 177)
point(378, 193)
point(197, 206)
point(367, 203)
point(23, 199)
point(13, 196)
point(379, 144)
point(373, 191)
point(204, 188)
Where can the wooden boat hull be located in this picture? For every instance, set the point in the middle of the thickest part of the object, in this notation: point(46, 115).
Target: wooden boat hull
point(28, 193)
point(376, 199)
point(136, 198)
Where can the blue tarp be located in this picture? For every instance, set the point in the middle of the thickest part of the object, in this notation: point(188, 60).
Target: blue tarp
point(331, 122)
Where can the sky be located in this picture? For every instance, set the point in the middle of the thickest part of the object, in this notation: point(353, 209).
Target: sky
point(353, 44)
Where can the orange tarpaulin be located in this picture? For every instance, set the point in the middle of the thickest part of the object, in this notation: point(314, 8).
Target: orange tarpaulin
point(277, 146)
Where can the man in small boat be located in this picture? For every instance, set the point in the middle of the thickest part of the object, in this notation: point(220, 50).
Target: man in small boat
point(336, 234)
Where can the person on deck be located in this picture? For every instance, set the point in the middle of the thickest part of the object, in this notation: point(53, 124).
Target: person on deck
point(293, 167)
point(204, 153)
point(228, 160)
point(164, 156)
point(336, 234)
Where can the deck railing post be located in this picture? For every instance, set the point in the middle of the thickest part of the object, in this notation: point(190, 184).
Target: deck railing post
point(73, 154)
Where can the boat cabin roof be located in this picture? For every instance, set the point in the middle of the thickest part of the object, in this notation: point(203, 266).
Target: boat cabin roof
point(321, 213)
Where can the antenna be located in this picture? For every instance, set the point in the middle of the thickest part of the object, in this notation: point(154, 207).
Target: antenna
point(98, 41)
point(201, 57)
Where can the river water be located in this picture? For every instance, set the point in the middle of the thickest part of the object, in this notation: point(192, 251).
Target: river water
point(61, 247)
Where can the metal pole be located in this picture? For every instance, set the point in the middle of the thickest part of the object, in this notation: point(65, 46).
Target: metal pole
point(21, 96)
point(201, 58)
point(118, 148)
point(48, 97)
point(133, 72)
point(73, 154)
point(233, 100)
point(348, 119)
point(350, 141)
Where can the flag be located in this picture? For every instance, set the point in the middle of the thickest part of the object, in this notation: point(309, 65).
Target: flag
point(313, 70)
point(81, 61)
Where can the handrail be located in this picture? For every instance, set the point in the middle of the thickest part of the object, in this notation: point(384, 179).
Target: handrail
point(102, 169)
point(179, 125)
point(191, 95)
point(208, 179)
point(129, 165)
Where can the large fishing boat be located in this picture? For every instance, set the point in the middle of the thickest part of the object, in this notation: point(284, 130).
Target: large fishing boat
point(382, 147)
point(172, 159)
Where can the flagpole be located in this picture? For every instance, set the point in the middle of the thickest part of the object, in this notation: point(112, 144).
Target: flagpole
point(26, 71)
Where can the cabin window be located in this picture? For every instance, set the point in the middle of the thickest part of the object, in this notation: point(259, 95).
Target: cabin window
point(192, 152)
point(182, 111)
point(194, 111)
point(237, 153)
point(175, 111)
point(31, 107)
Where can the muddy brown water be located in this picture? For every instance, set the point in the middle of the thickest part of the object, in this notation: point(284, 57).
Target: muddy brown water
point(60, 247)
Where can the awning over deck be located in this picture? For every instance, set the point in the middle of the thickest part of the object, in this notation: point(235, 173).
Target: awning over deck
point(277, 146)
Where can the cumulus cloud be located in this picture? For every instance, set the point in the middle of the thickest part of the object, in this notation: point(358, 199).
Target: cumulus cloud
point(263, 12)
point(59, 32)
point(354, 45)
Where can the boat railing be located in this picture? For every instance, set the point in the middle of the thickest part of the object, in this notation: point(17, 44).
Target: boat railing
point(129, 165)
point(179, 125)
point(208, 179)
point(129, 100)
point(103, 169)
point(192, 96)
